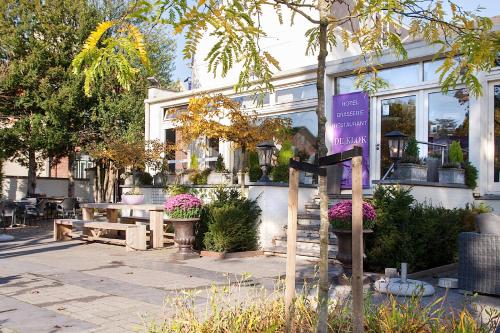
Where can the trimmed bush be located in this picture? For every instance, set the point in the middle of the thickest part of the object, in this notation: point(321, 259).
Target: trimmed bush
point(232, 223)
point(145, 178)
point(470, 175)
point(200, 178)
point(420, 234)
point(254, 171)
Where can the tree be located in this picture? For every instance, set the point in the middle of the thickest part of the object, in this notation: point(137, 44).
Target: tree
point(220, 117)
point(39, 40)
point(372, 25)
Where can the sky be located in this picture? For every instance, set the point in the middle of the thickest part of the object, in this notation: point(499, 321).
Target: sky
point(491, 8)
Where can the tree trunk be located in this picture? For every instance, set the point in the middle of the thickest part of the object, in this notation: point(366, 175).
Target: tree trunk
point(98, 182)
point(322, 151)
point(32, 168)
point(110, 185)
point(71, 179)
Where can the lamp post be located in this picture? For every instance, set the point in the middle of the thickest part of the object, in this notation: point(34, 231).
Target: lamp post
point(265, 152)
point(397, 143)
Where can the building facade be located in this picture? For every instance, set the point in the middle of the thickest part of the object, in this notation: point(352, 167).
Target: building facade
point(413, 103)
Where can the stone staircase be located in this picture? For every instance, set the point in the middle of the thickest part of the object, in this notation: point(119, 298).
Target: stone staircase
point(308, 223)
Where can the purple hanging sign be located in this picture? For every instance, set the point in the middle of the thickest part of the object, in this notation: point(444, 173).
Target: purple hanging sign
point(351, 127)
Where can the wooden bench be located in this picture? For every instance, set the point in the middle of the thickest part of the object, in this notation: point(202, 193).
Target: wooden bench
point(140, 220)
point(135, 235)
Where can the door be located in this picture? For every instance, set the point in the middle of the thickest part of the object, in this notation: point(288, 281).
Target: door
point(493, 152)
point(394, 113)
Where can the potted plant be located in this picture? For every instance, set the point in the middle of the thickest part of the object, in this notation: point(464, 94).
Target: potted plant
point(411, 167)
point(452, 172)
point(184, 211)
point(220, 175)
point(340, 216)
point(133, 197)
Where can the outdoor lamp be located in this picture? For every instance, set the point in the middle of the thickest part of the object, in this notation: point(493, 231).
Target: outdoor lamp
point(265, 152)
point(397, 143)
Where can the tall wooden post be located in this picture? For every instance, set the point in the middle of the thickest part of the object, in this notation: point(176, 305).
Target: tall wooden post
point(357, 244)
point(291, 240)
point(324, 284)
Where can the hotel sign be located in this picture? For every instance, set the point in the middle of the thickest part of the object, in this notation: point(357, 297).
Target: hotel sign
point(351, 126)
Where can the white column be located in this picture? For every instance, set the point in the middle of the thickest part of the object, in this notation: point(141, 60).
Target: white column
point(478, 135)
point(146, 121)
point(329, 83)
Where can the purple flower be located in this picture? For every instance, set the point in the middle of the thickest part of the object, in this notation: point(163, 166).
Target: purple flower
point(182, 202)
point(343, 210)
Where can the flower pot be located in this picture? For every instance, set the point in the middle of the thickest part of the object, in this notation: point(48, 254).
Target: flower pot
point(411, 172)
point(133, 199)
point(159, 180)
point(433, 164)
point(451, 175)
point(184, 237)
point(344, 243)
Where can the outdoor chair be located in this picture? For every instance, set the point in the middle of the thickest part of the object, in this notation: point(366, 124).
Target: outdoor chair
point(36, 212)
point(67, 208)
point(479, 257)
point(8, 210)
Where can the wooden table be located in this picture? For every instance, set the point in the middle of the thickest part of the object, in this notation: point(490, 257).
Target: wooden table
point(155, 216)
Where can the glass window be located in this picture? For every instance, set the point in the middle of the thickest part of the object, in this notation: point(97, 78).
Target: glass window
point(401, 76)
point(430, 68)
point(296, 94)
point(170, 140)
point(449, 118)
point(496, 110)
point(398, 114)
point(250, 101)
point(345, 85)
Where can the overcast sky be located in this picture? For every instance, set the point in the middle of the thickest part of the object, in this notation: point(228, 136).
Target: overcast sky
point(491, 8)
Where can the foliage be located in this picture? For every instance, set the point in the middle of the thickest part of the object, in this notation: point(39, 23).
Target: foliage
point(183, 206)
point(1, 177)
point(472, 210)
point(407, 231)
point(286, 153)
point(219, 164)
point(145, 178)
point(411, 153)
point(176, 189)
point(254, 170)
point(261, 310)
point(340, 215)
point(134, 191)
point(200, 178)
point(471, 175)
point(455, 154)
point(193, 162)
point(280, 172)
point(233, 222)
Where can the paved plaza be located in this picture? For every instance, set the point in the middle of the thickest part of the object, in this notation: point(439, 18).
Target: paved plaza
point(72, 286)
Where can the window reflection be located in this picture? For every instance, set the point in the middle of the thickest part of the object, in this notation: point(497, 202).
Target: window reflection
point(251, 101)
point(398, 114)
point(449, 118)
point(430, 68)
point(296, 94)
point(345, 85)
point(401, 76)
point(496, 109)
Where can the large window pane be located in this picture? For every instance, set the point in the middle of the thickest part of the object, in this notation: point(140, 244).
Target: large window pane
point(345, 85)
point(251, 101)
point(296, 94)
point(430, 68)
point(496, 106)
point(449, 118)
point(398, 114)
point(401, 76)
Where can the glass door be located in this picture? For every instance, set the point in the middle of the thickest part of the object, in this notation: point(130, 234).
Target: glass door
point(394, 113)
point(494, 151)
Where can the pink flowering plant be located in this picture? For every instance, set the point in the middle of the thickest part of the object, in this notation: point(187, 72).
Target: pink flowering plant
point(340, 215)
point(183, 206)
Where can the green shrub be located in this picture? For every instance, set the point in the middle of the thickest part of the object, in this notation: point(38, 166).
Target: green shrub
point(254, 171)
point(145, 178)
point(470, 175)
point(420, 234)
point(194, 164)
point(455, 153)
point(200, 178)
point(280, 173)
point(1, 178)
point(232, 222)
point(411, 152)
point(175, 189)
point(219, 164)
point(285, 153)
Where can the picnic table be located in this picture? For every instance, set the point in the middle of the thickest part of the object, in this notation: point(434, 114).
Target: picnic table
point(155, 216)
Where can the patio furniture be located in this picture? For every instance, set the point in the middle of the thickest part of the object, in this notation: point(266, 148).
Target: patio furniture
point(36, 212)
point(112, 209)
point(135, 235)
point(479, 262)
point(67, 208)
point(8, 210)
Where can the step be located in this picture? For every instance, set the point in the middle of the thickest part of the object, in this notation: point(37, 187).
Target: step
point(310, 246)
point(308, 219)
point(281, 251)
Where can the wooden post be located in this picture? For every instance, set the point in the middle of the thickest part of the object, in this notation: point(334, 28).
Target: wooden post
point(357, 244)
point(291, 240)
point(324, 233)
point(112, 215)
point(88, 214)
point(156, 228)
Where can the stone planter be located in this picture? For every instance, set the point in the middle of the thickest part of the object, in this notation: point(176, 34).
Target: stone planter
point(133, 199)
point(159, 180)
point(216, 178)
point(433, 164)
point(451, 175)
point(411, 172)
point(344, 241)
point(184, 238)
